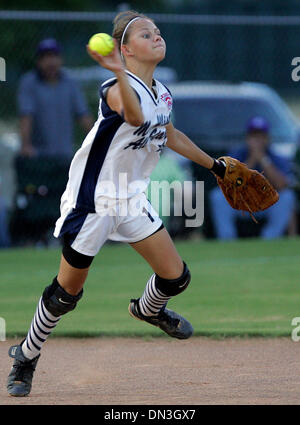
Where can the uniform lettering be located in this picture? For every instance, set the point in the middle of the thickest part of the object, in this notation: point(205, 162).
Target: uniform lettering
point(150, 133)
point(142, 130)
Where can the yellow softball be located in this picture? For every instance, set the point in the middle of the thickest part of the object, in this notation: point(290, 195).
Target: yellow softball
point(101, 43)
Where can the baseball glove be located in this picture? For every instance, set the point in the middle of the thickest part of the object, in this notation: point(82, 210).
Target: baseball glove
point(246, 189)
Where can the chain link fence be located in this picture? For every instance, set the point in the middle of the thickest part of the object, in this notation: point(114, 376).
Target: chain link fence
point(199, 48)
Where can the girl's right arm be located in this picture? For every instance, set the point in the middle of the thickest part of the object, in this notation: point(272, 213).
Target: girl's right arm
point(121, 97)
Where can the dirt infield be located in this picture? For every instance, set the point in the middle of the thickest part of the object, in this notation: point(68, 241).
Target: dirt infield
point(124, 371)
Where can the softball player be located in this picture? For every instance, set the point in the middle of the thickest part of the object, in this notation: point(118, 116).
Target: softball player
point(107, 180)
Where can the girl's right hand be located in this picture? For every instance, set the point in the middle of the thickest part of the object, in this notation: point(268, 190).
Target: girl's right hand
point(112, 62)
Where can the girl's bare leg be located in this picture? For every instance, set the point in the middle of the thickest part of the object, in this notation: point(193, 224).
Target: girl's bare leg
point(160, 253)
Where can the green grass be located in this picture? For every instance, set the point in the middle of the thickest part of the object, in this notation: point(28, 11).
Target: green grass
point(243, 288)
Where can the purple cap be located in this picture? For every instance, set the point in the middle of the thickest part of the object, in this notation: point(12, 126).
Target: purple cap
point(48, 45)
point(258, 124)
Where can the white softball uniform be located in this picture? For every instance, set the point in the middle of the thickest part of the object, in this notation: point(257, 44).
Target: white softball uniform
point(105, 194)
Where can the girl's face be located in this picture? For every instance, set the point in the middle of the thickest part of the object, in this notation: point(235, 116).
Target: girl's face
point(145, 42)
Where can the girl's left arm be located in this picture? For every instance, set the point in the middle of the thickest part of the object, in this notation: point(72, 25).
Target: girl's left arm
point(180, 143)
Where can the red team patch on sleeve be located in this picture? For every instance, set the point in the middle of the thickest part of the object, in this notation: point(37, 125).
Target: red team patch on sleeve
point(168, 99)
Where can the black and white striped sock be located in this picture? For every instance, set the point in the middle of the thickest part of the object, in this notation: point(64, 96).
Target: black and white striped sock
point(152, 299)
point(41, 327)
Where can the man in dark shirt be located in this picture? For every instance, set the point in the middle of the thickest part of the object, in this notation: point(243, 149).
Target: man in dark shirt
point(48, 101)
point(257, 154)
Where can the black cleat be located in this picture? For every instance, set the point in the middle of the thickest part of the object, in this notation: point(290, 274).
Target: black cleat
point(167, 320)
point(19, 380)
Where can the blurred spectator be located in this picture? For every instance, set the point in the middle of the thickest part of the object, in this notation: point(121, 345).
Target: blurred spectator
point(48, 101)
point(257, 154)
point(7, 186)
point(4, 233)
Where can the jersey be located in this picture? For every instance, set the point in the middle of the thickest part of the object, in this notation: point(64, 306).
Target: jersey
point(116, 159)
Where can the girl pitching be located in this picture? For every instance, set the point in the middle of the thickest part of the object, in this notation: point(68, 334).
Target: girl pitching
point(105, 199)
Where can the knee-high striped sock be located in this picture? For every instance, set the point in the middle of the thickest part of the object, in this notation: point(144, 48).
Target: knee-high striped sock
point(41, 327)
point(152, 299)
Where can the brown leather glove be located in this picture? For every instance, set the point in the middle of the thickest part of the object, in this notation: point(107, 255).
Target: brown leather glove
point(246, 189)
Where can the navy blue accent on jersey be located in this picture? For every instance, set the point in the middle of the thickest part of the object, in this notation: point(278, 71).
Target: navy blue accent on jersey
point(110, 84)
point(106, 111)
point(157, 230)
point(145, 87)
point(73, 224)
point(139, 97)
point(104, 136)
point(160, 228)
point(148, 214)
point(105, 86)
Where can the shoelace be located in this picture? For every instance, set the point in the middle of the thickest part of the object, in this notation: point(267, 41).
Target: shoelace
point(22, 369)
point(170, 320)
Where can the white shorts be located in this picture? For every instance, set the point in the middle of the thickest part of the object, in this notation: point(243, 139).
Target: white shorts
point(87, 232)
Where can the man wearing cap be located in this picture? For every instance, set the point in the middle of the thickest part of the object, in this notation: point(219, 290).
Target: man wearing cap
point(257, 154)
point(48, 101)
